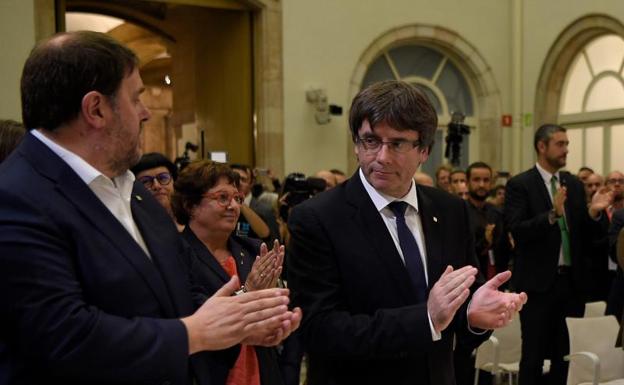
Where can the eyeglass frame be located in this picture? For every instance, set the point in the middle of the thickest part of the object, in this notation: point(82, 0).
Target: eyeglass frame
point(391, 144)
point(148, 180)
point(615, 181)
point(231, 196)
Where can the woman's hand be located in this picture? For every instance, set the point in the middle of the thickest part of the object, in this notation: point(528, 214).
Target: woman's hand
point(267, 268)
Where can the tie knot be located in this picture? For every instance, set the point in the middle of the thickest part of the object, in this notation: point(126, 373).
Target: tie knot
point(554, 179)
point(398, 208)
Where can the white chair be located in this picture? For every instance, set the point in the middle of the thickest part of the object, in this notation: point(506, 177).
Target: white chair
point(500, 355)
point(595, 309)
point(593, 357)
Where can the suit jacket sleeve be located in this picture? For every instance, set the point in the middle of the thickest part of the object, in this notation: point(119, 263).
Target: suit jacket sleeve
point(522, 227)
point(329, 327)
point(53, 321)
point(617, 222)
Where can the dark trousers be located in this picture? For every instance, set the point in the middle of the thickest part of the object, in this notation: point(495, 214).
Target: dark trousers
point(544, 331)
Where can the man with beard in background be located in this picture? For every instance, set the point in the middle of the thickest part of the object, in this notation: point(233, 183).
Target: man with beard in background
point(548, 216)
point(491, 246)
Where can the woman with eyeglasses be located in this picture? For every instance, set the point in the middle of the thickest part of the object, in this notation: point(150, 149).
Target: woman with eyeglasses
point(157, 174)
point(208, 202)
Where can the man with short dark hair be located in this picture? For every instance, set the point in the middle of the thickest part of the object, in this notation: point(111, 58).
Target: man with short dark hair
point(491, 241)
point(382, 267)
point(583, 173)
point(93, 288)
point(253, 221)
point(547, 215)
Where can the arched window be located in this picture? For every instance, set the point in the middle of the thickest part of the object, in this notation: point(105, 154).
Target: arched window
point(440, 78)
point(592, 105)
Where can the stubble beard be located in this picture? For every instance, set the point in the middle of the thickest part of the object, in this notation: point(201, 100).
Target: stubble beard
point(475, 195)
point(125, 151)
point(557, 163)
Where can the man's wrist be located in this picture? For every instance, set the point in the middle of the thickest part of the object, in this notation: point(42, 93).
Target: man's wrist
point(553, 216)
point(193, 337)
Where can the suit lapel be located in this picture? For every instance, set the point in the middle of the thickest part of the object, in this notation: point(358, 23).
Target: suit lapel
point(94, 211)
point(204, 255)
point(242, 257)
point(539, 181)
point(429, 215)
point(374, 229)
point(163, 251)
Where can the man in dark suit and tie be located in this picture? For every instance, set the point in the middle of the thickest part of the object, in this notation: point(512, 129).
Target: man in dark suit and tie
point(384, 268)
point(549, 220)
point(92, 286)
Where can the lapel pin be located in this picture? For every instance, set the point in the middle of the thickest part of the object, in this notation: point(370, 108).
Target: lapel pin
point(435, 219)
point(138, 197)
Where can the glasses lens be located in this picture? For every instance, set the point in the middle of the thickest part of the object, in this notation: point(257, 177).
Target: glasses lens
point(223, 198)
point(164, 178)
point(239, 198)
point(147, 181)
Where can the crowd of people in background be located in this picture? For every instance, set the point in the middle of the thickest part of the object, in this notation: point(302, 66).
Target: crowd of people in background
point(263, 203)
point(235, 236)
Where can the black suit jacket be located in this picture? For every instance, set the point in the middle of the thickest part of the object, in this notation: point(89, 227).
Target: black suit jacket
point(362, 323)
point(208, 276)
point(80, 301)
point(537, 242)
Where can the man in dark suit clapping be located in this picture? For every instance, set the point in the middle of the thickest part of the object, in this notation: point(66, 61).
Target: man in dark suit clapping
point(553, 229)
point(92, 286)
point(384, 268)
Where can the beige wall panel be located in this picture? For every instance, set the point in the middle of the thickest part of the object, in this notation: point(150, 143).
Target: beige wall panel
point(17, 38)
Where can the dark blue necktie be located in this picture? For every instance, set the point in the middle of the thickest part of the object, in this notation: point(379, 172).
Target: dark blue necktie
point(411, 253)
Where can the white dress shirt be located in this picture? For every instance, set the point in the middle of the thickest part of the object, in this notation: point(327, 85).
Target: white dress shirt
point(546, 176)
point(114, 193)
point(412, 219)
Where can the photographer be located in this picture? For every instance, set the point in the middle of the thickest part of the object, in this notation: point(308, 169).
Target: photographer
point(297, 189)
point(456, 131)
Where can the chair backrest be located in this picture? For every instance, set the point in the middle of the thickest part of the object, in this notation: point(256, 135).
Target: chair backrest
point(510, 345)
point(596, 335)
point(595, 309)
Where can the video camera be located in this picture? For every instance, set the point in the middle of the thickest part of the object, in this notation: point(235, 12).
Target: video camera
point(297, 188)
point(456, 131)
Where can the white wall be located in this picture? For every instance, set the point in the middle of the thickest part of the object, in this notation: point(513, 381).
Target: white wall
point(17, 32)
point(323, 40)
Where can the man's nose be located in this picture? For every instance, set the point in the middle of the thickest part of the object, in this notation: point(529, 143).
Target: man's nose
point(384, 154)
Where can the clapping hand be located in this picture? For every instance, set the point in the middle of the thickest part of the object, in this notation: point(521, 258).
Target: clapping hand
point(491, 308)
point(267, 268)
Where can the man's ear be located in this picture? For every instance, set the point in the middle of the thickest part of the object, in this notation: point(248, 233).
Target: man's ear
point(424, 154)
point(541, 147)
point(95, 109)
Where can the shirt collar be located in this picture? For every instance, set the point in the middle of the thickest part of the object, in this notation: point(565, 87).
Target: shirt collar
point(545, 174)
point(381, 200)
point(85, 171)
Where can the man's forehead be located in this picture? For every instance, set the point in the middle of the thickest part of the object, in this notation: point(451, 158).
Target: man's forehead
point(480, 170)
point(389, 130)
point(559, 136)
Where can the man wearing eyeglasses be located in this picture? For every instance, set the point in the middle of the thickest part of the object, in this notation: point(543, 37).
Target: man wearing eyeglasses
point(93, 289)
point(385, 269)
point(615, 182)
